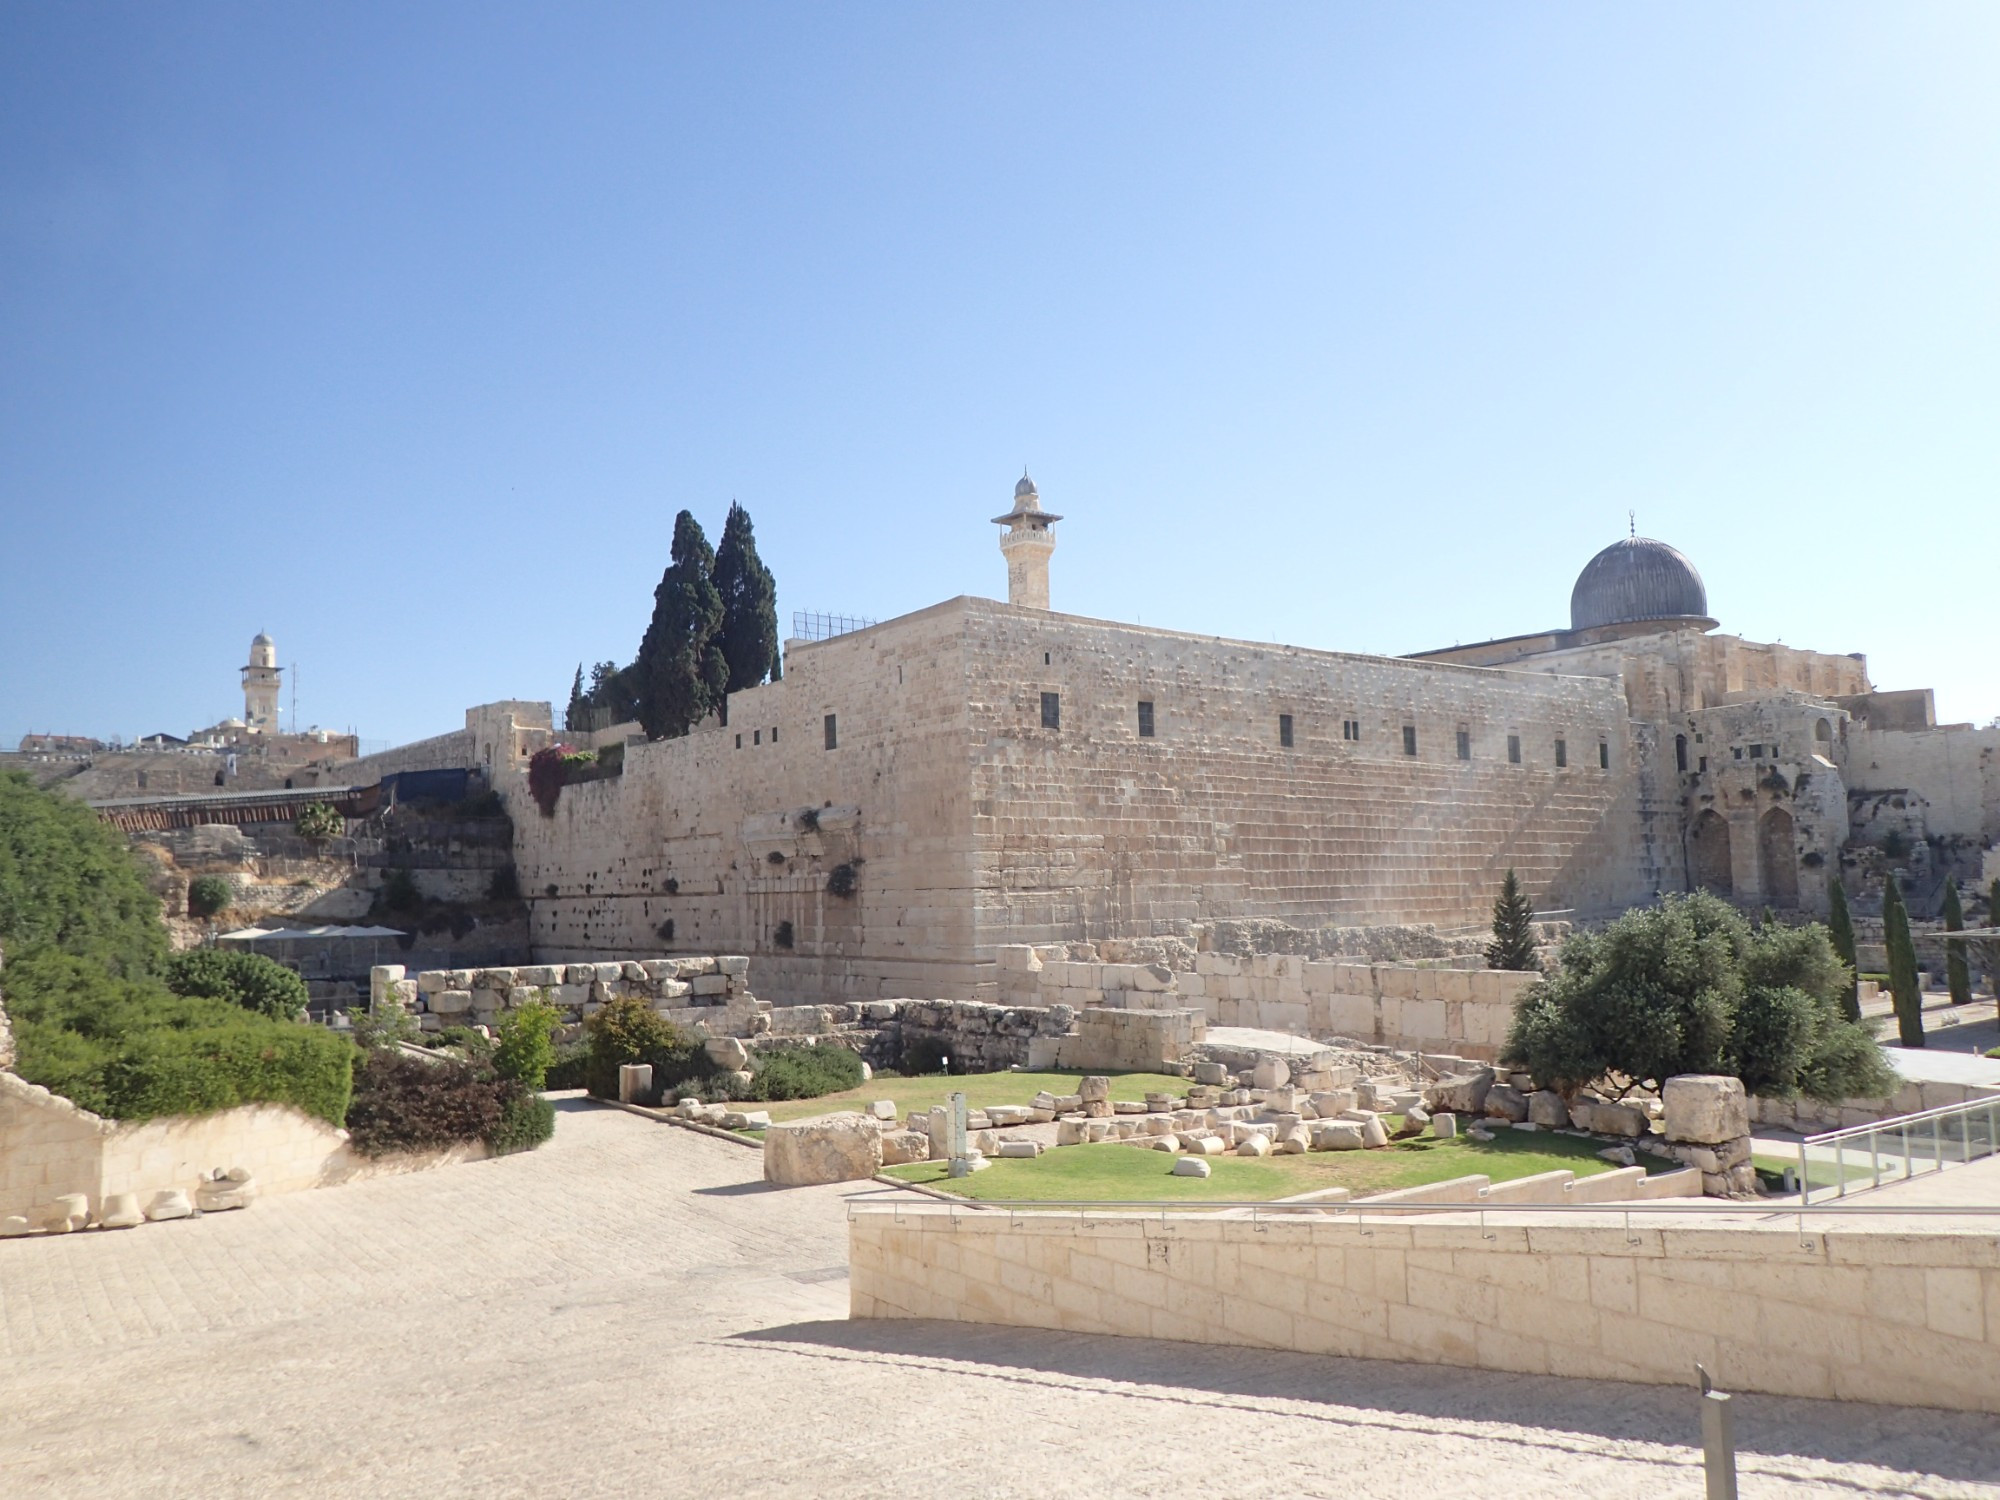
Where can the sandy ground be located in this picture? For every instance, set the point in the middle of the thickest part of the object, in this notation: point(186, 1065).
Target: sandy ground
point(631, 1311)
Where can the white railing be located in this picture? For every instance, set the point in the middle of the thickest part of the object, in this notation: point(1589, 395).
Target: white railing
point(1896, 1149)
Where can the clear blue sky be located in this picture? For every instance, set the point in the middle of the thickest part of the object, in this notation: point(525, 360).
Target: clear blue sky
point(403, 331)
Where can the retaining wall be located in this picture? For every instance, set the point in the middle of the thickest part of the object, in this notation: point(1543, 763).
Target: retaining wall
point(1463, 1011)
point(1854, 1314)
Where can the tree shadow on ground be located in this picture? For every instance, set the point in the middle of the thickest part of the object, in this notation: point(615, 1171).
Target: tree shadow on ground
point(1565, 1413)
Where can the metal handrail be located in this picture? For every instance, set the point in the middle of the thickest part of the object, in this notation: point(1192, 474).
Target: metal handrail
point(1904, 1127)
point(1358, 1208)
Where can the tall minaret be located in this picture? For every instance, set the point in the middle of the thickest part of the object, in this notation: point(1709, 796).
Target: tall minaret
point(260, 687)
point(1026, 544)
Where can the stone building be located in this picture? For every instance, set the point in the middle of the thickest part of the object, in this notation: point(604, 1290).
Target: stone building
point(916, 794)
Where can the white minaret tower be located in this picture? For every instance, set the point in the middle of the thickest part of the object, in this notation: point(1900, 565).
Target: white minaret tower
point(260, 687)
point(1026, 544)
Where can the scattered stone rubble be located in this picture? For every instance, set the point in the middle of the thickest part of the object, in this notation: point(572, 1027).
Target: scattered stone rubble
point(219, 1190)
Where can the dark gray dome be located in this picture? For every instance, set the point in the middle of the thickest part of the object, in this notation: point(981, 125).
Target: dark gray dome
point(1024, 485)
point(1636, 579)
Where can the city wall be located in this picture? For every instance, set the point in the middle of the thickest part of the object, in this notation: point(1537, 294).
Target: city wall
point(1460, 1011)
point(1952, 773)
point(881, 821)
point(1909, 1318)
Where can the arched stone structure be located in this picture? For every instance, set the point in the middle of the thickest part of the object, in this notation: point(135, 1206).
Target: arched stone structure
point(1708, 850)
point(1777, 858)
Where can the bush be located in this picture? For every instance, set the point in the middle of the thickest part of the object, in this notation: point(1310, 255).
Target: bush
point(247, 979)
point(68, 881)
point(132, 1049)
point(1689, 987)
point(628, 1030)
point(207, 895)
point(384, 1026)
point(571, 1068)
point(468, 1042)
point(408, 1103)
point(319, 821)
point(399, 892)
point(802, 1073)
point(526, 1046)
point(526, 1120)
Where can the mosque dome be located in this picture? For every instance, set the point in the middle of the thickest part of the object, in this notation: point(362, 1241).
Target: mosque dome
point(1636, 579)
point(262, 640)
point(1024, 486)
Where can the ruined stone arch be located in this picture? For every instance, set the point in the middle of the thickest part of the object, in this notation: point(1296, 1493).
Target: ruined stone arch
point(1823, 732)
point(1708, 853)
point(1777, 858)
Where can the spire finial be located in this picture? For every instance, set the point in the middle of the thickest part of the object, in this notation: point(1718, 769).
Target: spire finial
point(1632, 523)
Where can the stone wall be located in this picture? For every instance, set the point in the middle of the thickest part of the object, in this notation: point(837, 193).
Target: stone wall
point(49, 1147)
point(1398, 1005)
point(946, 820)
point(1948, 776)
point(1909, 1318)
point(1810, 1117)
point(712, 993)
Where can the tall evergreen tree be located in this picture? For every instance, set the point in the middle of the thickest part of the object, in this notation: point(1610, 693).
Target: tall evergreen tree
point(1957, 968)
point(1513, 945)
point(614, 696)
point(1905, 987)
point(680, 672)
point(576, 716)
point(1840, 925)
point(749, 604)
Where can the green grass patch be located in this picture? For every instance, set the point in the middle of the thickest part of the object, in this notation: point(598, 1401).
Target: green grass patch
point(1819, 1174)
point(1113, 1173)
point(980, 1090)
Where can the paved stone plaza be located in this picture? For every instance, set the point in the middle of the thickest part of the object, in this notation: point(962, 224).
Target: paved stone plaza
point(630, 1311)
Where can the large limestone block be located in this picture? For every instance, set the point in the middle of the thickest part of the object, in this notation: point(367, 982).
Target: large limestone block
point(1190, 1166)
point(830, 1148)
point(121, 1211)
point(1705, 1108)
point(69, 1211)
point(1603, 1118)
point(1271, 1073)
point(1461, 1094)
point(1336, 1135)
point(451, 1002)
point(710, 984)
point(1505, 1102)
point(735, 965)
point(1254, 1145)
point(1374, 1133)
point(900, 1146)
point(728, 1053)
point(169, 1203)
point(1546, 1109)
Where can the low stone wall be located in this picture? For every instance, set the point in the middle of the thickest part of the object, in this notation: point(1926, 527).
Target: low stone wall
point(1809, 1117)
point(713, 993)
point(1909, 1318)
point(50, 1147)
point(1464, 1011)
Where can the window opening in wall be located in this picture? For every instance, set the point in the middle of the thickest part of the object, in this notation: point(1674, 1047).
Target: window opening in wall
point(756, 736)
point(774, 734)
point(1562, 753)
point(1680, 752)
point(1145, 719)
point(1045, 658)
point(1603, 755)
point(1285, 730)
point(899, 674)
point(1409, 739)
point(1513, 749)
point(1350, 729)
point(1702, 765)
point(1051, 710)
point(832, 734)
point(1738, 749)
point(1465, 744)
point(739, 742)
point(1756, 752)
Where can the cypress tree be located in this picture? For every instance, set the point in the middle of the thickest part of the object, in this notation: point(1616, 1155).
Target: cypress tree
point(749, 604)
point(1958, 972)
point(1513, 945)
point(680, 672)
point(577, 715)
point(1905, 988)
point(1840, 925)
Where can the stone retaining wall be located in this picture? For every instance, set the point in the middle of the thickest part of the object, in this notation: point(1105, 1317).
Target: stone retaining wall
point(1910, 1318)
point(1809, 1117)
point(1465, 1011)
point(712, 992)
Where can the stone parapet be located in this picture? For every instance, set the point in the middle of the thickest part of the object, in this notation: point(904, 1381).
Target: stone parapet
point(1910, 1317)
point(713, 991)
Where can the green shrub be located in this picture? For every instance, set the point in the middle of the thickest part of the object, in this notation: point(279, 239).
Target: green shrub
point(133, 1050)
point(468, 1042)
point(571, 1068)
point(628, 1030)
point(1689, 987)
point(247, 979)
point(802, 1073)
point(526, 1047)
point(319, 821)
point(526, 1120)
point(68, 881)
point(207, 895)
point(399, 892)
point(384, 1026)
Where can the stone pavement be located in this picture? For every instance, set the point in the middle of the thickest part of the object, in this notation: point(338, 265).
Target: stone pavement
point(630, 1311)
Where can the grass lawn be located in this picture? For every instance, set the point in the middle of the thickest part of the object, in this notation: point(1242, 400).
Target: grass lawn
point(1110, 1172)
point(980, 1090)
point(1819, 1174)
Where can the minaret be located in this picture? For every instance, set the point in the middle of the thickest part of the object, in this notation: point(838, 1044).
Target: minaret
point(260, 687)
point(1026, 544)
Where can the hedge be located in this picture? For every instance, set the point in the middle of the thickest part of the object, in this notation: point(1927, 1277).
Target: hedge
point(407, 1103)
point(247, 979)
